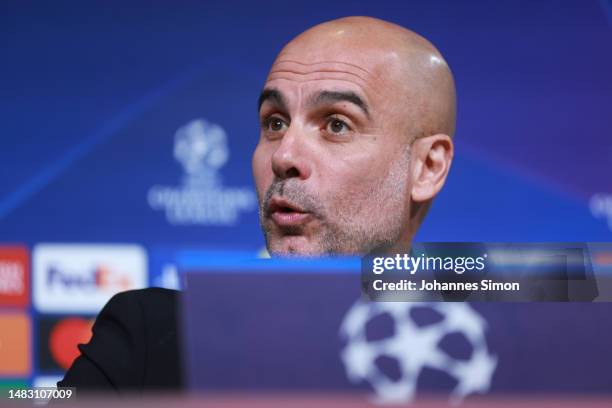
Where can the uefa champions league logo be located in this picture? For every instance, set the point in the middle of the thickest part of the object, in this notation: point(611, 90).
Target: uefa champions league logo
point(201, 149)
point(415, 346)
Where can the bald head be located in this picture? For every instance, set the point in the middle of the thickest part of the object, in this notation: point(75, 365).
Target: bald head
point(356, 119)
point(402, 62)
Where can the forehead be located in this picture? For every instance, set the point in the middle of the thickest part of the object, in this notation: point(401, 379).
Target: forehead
point(315, 74)
point(303, 71)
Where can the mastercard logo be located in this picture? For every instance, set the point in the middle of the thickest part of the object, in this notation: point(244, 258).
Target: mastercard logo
point(64, 338)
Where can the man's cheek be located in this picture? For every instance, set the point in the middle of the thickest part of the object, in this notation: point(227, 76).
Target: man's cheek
point(263, 176)
point(353, 186)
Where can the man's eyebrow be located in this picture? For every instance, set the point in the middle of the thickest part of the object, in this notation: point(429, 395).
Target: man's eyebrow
point(340, 96)
point(271, 95)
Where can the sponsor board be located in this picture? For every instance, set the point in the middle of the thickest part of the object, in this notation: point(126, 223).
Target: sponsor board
point(12, 384)
point(46, 381)
point(163, 270)
point(82, 278)
point(15, 345)
point(58, 341)
point(14, 276)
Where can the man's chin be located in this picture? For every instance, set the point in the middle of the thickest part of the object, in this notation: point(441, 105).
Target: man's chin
point(294, 245)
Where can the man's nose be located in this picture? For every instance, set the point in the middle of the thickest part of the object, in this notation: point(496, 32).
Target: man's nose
point(292, 158)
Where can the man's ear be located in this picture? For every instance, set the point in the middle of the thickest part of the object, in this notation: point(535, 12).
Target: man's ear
point(431, 158)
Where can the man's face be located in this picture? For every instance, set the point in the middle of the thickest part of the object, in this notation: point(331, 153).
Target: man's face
point(332, 163)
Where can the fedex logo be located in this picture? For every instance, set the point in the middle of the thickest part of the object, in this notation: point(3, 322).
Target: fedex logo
point(82, 278)
point(100, 277)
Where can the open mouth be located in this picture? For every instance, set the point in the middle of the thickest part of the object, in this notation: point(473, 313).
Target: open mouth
point(286, 210)
point(287, 214)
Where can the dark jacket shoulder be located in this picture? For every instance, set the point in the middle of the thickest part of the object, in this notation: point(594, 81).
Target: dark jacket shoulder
point(134, 346)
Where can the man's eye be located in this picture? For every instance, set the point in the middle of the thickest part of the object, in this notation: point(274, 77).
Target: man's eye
point(337, 126)
point(275, 124)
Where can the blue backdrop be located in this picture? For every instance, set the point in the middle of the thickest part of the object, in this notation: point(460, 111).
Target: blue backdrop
point(92, 95)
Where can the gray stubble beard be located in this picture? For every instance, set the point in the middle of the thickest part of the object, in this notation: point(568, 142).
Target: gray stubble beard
point(343, 235)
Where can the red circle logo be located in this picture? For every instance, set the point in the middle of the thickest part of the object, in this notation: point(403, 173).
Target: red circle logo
point(64, 338)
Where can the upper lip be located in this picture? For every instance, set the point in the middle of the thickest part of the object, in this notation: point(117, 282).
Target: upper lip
point(278, 204)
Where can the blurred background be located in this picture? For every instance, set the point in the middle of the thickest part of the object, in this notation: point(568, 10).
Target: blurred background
point(128, 127)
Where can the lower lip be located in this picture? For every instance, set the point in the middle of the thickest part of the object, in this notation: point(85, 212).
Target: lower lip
point(290, 219)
